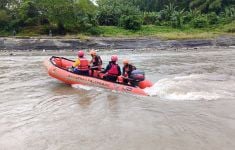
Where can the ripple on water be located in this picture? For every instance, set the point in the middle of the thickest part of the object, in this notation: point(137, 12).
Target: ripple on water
point(38, 112)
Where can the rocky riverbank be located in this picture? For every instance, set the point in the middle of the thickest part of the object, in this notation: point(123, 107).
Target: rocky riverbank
point(9, 43)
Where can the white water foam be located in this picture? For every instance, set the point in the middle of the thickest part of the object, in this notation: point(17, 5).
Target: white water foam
point(193, 87)
point(86, 87)
point(80, 86)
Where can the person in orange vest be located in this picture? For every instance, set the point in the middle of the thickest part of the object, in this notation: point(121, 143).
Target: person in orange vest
point(96, 62)
point(112, 70)
point(81, 65)
point(126, 70)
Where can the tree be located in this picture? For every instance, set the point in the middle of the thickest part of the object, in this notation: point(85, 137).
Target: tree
point(210, 5)
point(110, 11)
point(3, 4)
point(69, 14)
point(4, 19)
point(29, 12)
point(168, 11)
point(131, 22)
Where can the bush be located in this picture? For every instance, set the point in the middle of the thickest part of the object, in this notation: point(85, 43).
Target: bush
point(110, 11)
point(16, 24)
point(200, 22)
point(177, 19)
point(44, 21)
point(95, 31)
point(150, 18)
point(31, 22)
point(223, 19)
point(131, 22)
point(85, 23)
point(231, 30)
point(47, 28)
point(54, 29)
point(3, 19)
point(158, 22)
point(106, 18)
point(213, 18)
point(187, 19)
point(227, 16)
point(190, 15)
point(174, 22)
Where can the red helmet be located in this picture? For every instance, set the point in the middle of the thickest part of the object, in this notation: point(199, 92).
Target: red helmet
point(80, 53)
point(114, 58)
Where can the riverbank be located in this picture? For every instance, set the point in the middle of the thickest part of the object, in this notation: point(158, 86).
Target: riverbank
point(170, 33)
point(149, 31)
point(65, 43)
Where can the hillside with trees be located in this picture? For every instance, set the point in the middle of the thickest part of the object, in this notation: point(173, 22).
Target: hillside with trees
point(111, 17)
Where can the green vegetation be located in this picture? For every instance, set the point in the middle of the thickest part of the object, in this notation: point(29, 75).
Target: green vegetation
point(170, 19)
point(168, 32)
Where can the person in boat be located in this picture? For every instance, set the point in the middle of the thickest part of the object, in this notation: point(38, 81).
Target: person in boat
point(96, 62)
point(112, 70)
point(81, 65)
point(126, 71)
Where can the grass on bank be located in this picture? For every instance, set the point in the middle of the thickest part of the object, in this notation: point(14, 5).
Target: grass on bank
point(163, 32)
point(157, 32)
point(169, 32)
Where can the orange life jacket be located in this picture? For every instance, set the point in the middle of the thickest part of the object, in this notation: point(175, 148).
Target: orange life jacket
point(84, 63)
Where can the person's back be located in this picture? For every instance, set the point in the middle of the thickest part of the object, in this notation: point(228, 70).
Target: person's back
point(81, 65)
point(84, 63)
point(112, 70)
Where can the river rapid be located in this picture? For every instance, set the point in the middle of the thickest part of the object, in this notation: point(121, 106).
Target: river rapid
point(191, 107)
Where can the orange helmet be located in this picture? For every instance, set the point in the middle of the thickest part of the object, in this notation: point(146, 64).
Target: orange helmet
point(125, 61)
point(92, 52)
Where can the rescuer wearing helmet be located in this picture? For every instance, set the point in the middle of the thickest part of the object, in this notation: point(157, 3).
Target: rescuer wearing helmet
point(112, 70)
point(81, 65)
point(126, 70)
point(96, 62)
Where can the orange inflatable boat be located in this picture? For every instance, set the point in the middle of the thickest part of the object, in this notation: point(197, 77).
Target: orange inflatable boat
point(57, 67)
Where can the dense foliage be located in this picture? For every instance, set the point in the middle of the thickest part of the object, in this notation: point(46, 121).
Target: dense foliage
point(76, 16)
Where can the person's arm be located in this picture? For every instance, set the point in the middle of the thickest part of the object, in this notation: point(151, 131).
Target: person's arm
point(99, 60)
point(76, 63)
point(119, 71)
point(91, 62)
point(123, 71)
point(133, 67)
point(107, 68)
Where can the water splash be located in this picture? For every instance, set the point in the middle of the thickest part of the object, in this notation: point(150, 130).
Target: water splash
point(193, 87)
point(86, 87)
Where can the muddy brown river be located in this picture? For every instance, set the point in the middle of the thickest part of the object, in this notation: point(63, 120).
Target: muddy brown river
point(191, 107)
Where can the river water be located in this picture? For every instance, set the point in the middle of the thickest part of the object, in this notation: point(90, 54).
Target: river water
point(192, 104)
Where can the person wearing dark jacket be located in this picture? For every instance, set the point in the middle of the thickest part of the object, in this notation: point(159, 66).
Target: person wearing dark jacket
point(96, 62)
point(112, 70)
point(126, 71)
